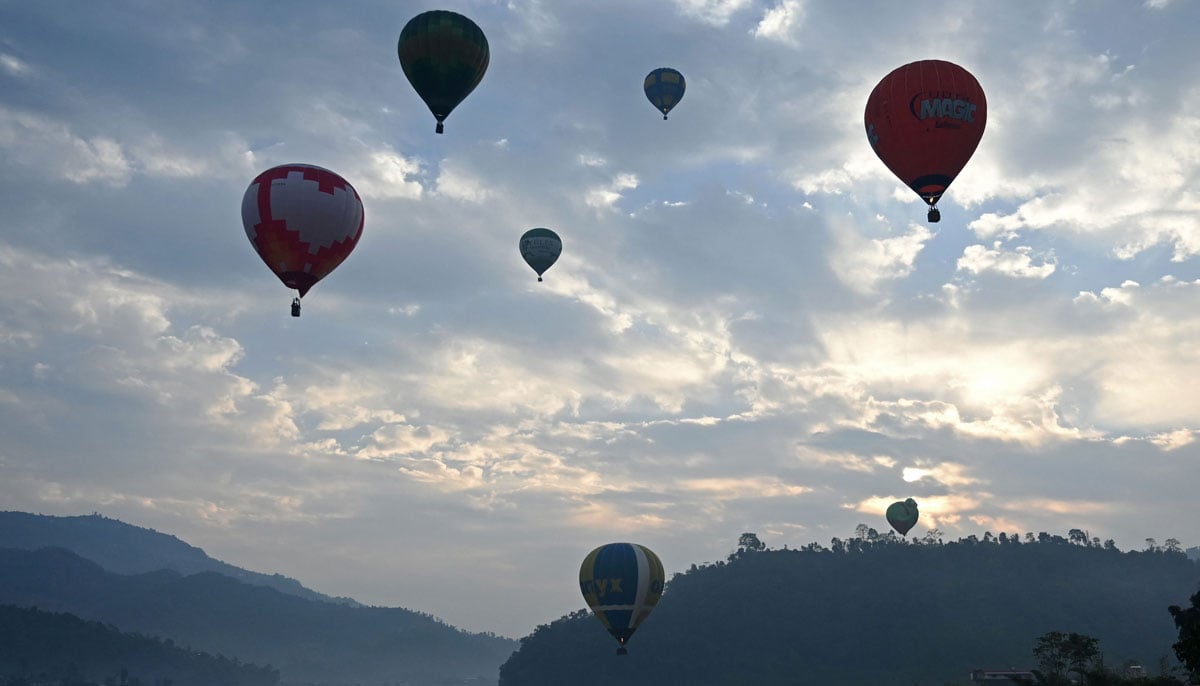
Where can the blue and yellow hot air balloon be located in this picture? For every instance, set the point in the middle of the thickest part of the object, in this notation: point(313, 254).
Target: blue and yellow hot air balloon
point(621, 583)
point(444, 55)
point(664, 89)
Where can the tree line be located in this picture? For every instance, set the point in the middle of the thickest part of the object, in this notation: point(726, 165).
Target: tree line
point(877, 608)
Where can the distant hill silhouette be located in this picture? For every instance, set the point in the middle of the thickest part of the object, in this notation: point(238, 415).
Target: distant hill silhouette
point(127, 549)
point(308, 641)
point(875, 612)
point(40, 647)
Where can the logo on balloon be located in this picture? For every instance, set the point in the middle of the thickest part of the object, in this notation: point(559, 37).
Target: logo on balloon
point(942, 106)
point(601, 587)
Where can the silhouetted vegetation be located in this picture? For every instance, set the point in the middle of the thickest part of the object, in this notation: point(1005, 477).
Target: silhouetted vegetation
point(1187, 648)
point(875, 609)
point(39, 647)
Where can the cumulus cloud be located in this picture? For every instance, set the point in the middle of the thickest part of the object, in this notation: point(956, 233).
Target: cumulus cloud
point(1144, 200)
point(605, 197)
point(781, 20)
point(1017, 263)
point(461, 185)
point(862, 262)
point(42, 143)
point(389, 174)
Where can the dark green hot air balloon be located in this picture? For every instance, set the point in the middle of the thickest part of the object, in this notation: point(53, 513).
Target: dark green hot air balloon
point(444, 56)
point(540, 248)
point(664, 89)
point(903, 515)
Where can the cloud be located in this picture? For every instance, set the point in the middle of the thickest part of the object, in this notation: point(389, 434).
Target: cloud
point(460, 185)
point(948, 473)
point(743, 488)
point(780, 21)
point(37, 142)
point(863, 263)
point(1017, 263)
point(1145, 199)
point(605, 197)
point(1174, 440)
point(14, 65)
point(391, 175)
point(715, 12)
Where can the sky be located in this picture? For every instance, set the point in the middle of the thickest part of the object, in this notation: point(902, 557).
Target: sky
point(752, 328)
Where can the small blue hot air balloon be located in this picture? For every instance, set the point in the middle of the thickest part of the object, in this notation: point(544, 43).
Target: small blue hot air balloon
point(540, 248)
point(664, 89)
point(621, 583)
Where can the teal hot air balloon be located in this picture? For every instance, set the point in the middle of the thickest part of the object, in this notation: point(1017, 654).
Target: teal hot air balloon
point(621, 583)
point(444, 56)
point(540, 248)
point(903, 515)
point(664, 89)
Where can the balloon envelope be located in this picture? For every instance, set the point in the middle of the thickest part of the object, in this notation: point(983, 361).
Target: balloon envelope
point(621, 583)
point(925, 120)
point(664, 89)
point(903, 515)
point(540, 248)
point(303, 221)
point(444, 55)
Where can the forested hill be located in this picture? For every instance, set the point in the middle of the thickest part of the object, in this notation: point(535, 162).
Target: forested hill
point(45, 647)
point(308, 641)
point(875, 612)
point(127, 549)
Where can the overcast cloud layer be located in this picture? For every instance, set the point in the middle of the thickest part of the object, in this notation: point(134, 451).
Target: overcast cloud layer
point(752, 328)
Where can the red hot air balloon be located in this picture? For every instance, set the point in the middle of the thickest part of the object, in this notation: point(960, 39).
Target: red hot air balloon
point(924, 120)
point(303, 221)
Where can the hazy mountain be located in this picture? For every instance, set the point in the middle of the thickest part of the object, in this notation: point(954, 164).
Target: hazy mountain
point(42, 646)
point(881, 612)
point(308, 641)
point(127, 549)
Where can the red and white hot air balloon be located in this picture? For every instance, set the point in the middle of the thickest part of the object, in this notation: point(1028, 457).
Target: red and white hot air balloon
point(303, 221)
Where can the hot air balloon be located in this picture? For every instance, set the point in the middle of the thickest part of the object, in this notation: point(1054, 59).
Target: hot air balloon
point(303, 221)
point(924, 120)
point(664, 88)
point(903, 515)
point(540, 248)
point(444, 56)
point(622, 583)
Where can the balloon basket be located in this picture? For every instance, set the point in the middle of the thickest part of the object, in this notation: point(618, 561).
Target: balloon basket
point(295, 307)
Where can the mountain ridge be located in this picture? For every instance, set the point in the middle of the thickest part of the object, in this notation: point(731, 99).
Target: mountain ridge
point(129, 549)
point(306, 640)
point(145, 582)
